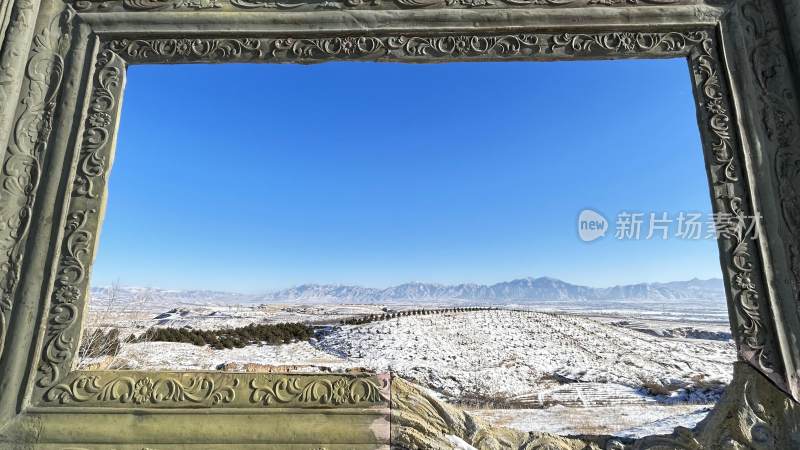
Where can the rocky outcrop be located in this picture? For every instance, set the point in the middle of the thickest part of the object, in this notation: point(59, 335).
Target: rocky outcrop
point(753, 414)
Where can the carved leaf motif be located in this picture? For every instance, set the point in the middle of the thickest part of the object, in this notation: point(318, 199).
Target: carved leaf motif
point(98, 128)
point(62, 333)
point(370, 47)
point(316, 391)
point(625, 42)
point(222, 49)
point(751, 334)
point(320, 48)
point(472, 45)
point(28, 143)
point(143, 390)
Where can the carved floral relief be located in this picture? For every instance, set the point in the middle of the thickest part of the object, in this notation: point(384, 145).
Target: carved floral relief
point(21, 167)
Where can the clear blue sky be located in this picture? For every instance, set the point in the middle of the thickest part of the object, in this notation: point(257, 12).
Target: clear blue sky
point(255, 177)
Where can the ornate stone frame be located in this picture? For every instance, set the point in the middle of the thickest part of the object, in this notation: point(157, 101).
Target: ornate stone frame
point(63, 74)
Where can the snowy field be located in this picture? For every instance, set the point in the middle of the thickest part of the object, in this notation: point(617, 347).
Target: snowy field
point(563, 372)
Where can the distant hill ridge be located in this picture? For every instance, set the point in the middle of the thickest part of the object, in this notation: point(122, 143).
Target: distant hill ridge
point(519, 290)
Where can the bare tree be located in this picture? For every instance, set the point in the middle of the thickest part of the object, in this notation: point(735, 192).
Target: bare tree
point(110, 323)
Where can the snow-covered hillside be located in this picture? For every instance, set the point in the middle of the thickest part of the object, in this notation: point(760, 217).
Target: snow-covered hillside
point(505, 357)
point(530, 357)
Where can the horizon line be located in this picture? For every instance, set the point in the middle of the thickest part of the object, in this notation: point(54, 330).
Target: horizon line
point(400, 284)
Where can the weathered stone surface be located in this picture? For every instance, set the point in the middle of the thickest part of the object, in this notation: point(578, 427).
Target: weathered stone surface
point(420, 421)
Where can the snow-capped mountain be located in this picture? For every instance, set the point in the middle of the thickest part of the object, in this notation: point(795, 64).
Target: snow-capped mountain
point(519, 290)
point(516, 291)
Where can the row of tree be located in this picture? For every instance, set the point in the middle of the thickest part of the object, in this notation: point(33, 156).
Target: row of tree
point(271, 334)
point(98, 342)
point(414, 312)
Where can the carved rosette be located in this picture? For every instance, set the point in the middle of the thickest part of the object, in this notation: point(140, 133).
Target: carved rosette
point(21, 167)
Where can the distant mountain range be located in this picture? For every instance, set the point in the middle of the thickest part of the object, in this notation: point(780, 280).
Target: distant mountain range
point(515, 291)
point(520, 290)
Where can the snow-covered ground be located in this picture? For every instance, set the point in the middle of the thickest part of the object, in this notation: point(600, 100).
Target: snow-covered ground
point(134, 318)
point(633, 421)
point(300, 356)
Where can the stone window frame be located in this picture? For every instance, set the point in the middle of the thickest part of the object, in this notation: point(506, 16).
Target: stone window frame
point(64, 75)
